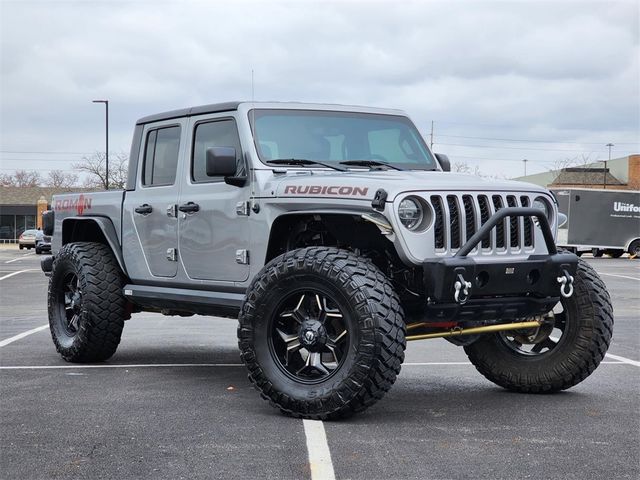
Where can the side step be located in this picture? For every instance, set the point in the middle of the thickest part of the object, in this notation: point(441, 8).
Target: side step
point(201, 302)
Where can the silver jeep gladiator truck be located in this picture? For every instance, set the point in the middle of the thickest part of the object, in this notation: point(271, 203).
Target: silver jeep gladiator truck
point(335, 236)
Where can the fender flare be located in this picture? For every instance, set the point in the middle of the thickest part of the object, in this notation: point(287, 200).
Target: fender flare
point(108, 231)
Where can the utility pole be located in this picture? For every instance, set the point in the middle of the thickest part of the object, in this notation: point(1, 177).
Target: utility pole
point(431, 135)
point(524, 160)
point(106, 146)
point(604, 183)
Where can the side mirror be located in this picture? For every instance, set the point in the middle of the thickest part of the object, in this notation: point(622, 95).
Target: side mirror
point(221, 162)
point(48, 222)
point(444, 162)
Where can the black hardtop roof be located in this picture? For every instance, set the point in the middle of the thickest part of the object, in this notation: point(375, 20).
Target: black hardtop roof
point(187, 112)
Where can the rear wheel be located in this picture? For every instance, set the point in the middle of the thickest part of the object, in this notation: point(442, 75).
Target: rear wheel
point(615, 253)
point(321, 333)
point(21, 247)
point(566, 349)
point(86, 305)
point(596, 252)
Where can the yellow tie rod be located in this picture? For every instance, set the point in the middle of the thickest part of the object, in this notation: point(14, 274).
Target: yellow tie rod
point(471, 331)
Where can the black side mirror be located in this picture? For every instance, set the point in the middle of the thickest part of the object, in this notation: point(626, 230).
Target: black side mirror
point(221, 162)
point(444, 162)
point(47, 222)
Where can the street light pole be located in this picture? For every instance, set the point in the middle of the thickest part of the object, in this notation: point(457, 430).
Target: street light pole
point(106, 146)
point(604, 185)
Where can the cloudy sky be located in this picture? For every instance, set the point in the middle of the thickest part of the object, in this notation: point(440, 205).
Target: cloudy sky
point(501, 81)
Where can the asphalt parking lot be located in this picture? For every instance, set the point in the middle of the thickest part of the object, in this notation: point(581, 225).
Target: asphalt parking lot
point(174, 402)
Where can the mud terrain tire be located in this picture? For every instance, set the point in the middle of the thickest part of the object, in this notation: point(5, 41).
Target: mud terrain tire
point(373, 317)
point(86, 305)
point(579, 351)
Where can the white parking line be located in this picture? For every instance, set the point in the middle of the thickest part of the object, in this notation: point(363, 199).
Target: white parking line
point(469, 364)
point(318, 450)
point(6, 342)
point(623, 359)
point(210, 365)
point(19, 271)
point(619, 276)
point(619, 359)
point(140, 365)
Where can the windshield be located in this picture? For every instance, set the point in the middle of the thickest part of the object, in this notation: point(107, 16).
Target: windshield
point(334, 137)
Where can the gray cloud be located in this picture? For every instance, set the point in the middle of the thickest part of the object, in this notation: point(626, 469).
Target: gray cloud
point(561, 71)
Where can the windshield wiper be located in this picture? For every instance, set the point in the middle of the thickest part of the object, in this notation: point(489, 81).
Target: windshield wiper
point(302, 162)
point(370, 163)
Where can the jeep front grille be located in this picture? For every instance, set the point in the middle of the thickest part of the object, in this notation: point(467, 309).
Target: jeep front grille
point(458, 217)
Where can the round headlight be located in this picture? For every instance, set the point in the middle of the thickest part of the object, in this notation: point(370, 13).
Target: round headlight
point(410, 213)
point(542, 204)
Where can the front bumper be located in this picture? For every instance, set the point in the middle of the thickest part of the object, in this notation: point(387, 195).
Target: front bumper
point(497, 289)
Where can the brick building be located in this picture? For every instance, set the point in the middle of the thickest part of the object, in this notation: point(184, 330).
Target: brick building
point(19, 208)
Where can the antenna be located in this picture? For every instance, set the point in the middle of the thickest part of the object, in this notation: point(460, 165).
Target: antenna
point(252, 172)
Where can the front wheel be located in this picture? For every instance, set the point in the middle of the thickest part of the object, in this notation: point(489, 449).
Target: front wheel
point(321, 333)
point(565, 350)
point(86, 305)
point(634, 248)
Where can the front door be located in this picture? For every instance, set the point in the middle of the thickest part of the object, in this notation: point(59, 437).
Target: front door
point(214, 225)
point(150, 209)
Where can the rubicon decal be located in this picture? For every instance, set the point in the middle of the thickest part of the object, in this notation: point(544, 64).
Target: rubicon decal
point(345, 191)
point(79, 204)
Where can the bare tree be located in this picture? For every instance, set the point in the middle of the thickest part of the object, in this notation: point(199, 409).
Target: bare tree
point(94, 165)
point(60, 179)
point(21, 178)
point(461, 167)
point(464, 167)
point(581, 160)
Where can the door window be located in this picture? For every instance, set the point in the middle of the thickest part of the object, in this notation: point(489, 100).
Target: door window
point(221, 133)
point(161, 156)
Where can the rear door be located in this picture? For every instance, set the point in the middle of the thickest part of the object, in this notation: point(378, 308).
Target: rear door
point(150, 209)
point(214, 240)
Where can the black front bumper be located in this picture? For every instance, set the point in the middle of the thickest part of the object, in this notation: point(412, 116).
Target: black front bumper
point(501, 288)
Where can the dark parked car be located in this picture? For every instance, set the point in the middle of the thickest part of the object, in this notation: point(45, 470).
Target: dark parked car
point(43, 242)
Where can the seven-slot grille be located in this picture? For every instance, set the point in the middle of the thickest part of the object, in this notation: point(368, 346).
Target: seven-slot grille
point(458, 217)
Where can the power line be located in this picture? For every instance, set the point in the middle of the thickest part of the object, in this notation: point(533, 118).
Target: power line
point(47, 152)
point(65, 170)
point(48, 160)
point(498, 147)
point(533, 141)
point(501, 159)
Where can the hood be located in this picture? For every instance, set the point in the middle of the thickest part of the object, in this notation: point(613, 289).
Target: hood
point(363, 185)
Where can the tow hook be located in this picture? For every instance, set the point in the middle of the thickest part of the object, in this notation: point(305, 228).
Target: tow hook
point(566, 284)
point(461, 285)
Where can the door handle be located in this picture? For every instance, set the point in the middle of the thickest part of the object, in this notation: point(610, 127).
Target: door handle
point(189, 207)
point(144, 209)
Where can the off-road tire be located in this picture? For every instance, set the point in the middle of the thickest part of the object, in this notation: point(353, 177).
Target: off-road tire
point(103, 305)
point(571, 361)
point(374, 357)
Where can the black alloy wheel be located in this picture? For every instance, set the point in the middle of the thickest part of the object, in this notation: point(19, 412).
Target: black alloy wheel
point(309, 336)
